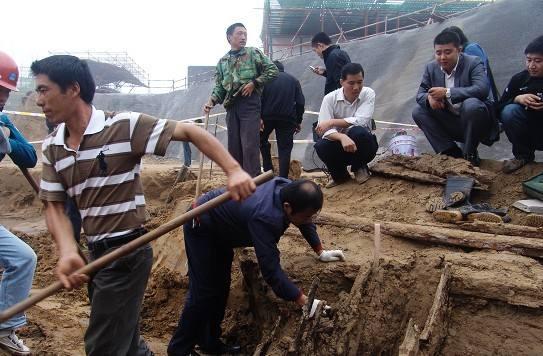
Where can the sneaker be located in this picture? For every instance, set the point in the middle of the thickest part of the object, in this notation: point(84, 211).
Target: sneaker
point(334, 183)
point(511, 165)
point(14, 345)
point(361, 175)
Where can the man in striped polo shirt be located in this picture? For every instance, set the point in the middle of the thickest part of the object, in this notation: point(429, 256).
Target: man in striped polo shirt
point(95, 159)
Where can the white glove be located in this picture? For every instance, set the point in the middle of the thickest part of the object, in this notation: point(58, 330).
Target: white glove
point(314, 308)
point(331, 256)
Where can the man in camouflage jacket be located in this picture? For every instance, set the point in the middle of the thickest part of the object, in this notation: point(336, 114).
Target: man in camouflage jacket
point(239, 79)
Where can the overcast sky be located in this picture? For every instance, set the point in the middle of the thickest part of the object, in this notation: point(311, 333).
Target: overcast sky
point(162, 36)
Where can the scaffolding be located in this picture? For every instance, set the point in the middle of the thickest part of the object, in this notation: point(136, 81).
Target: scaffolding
point(117, 59)
point(288, 25)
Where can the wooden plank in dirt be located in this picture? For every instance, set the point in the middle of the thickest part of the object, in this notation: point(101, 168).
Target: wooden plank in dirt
point(410, 343)
point(441, 235)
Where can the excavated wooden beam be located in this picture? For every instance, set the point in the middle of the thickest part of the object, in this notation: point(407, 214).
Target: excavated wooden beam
point(440, 235)
point(410, 343)
point(435, 329)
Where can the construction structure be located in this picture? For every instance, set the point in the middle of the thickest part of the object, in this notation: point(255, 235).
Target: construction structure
point(112, 71)
point(288, 25)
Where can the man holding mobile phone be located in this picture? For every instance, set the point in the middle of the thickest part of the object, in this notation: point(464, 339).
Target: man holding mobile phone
point(334, 59)
point(521, 108)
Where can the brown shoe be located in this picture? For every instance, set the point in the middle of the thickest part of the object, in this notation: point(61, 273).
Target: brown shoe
point(448, 216)
point(485, 217)
point(511, 165)
point(534, 220)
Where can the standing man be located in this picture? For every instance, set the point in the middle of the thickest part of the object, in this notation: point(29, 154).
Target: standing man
point(334, 59)
point(453, 102)
point(259, 221)
point(95, 159)
point(521, 108)
point(17, 259)
point(345, 124)
point(283, 111)
point(240, 77)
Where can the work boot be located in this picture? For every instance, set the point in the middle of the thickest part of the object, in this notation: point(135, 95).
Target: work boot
point(14, 345)
point(485, 217)
point(511, 165)
point(448, 216)
point(438, 203)
point(534, 220)
point(361, 175)
point(481, 208)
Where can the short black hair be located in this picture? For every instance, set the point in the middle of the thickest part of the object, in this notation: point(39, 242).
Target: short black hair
point(302, 195)
point(65, 70)
point(446, 37)
point(463, 39)
point(535, 47)
point(320, 37)
point(232, 27)
point(279, 65)
point(351, 69)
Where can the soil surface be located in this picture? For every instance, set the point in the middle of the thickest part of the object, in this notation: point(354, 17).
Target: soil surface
point(372, 300)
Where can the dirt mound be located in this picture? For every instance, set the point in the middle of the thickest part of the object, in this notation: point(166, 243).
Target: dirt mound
point(496, 294)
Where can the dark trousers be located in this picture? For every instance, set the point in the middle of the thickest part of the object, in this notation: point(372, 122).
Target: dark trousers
point(210, 266)
point(337, 160)
point(284, 133)
point(524, 128)
point(116, 294)
point(442, 128)
point(243, 122)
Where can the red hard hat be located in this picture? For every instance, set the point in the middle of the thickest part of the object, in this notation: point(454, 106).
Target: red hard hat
point(9, 73)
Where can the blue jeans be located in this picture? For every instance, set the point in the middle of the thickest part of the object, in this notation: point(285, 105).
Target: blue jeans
point(187, 154)
point(523, 128)
point(19, 262)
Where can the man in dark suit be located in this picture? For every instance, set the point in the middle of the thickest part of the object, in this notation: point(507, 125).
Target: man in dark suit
point(453, 104)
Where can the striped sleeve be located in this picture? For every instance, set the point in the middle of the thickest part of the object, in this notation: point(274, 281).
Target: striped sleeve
point(51, 188)
point(150, 135)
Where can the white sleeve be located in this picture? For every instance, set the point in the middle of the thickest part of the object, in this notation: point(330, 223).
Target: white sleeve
point(327, 112)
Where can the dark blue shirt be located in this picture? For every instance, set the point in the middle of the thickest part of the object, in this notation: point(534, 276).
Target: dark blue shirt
point(259, 222)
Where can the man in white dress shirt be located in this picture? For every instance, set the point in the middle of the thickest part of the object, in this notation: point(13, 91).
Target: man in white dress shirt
point(345, 127)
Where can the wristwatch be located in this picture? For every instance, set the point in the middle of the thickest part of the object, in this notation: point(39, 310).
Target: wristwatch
point(448, 93)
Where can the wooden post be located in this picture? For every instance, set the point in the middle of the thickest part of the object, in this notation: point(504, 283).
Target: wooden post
point(201, 166)
point(376, 245)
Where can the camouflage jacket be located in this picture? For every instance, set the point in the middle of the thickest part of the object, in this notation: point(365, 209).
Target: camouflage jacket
point(235, 70)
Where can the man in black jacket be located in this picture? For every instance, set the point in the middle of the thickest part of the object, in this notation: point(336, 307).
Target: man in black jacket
point(521, 108)
point(282, 110)
point(334, 59)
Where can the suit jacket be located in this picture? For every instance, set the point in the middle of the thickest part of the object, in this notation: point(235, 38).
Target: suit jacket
point(470, 81)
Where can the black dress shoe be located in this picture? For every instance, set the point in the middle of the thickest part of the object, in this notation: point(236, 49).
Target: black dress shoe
point(221, 349)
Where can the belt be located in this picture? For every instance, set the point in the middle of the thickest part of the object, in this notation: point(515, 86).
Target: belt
point(100, 246)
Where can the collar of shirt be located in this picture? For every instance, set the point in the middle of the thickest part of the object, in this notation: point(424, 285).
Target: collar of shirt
point(341, 97)
point(96, 124)
point(448, 76)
